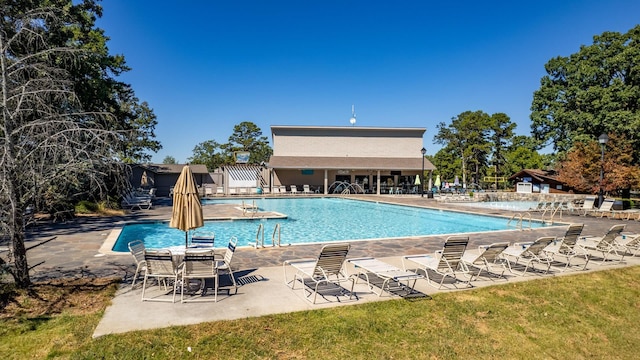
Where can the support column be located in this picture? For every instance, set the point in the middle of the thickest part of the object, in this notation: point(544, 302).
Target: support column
point(326, 181)
point(378, 182)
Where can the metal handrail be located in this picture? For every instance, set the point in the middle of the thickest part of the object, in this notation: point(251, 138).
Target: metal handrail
point(276, 229)
point(260, 237)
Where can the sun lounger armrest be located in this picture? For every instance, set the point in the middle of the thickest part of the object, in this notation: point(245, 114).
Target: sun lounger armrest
point(291, 262)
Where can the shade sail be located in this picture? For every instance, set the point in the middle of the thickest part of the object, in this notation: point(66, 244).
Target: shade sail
point(187, 210)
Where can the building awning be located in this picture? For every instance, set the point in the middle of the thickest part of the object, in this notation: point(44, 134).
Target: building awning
point(351, 163)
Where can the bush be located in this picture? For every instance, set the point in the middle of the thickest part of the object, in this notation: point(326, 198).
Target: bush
point(86, 207)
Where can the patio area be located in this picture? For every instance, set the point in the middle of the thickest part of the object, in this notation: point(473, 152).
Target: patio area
point(76, 253)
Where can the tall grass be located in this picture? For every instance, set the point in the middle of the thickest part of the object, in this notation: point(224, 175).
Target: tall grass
point(592, 315)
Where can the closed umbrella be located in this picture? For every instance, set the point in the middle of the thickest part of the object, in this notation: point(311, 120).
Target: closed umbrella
point(417, 182)
point(187, 210)
point(437, 182)
point(144, 180)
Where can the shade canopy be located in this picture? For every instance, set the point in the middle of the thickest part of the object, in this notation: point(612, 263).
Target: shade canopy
point(187, 210)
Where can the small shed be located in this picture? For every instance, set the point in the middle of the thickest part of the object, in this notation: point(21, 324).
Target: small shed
point(542, 181)
point(164, 176)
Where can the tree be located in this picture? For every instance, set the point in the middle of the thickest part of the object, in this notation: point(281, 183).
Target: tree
point(168, 160)
point(209, 153)
point(522, 154)
point(58, 141)
point(247, 136)
point(141, 121)
point(594, 91)
point(468, 136)
point(582, 165)
point(501, 133)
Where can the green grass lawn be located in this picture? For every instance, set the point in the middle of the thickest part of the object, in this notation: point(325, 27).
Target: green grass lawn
point(594, 316)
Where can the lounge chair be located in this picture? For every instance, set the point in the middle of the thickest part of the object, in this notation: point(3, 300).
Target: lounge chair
point(606, 208)
point(566, 247)
point(223, 266)
point(294, 190)
point(388, 273)
point(587, 205)
point(445, 263)
point(631, 242)
point(527, 254)
point(159, 265)
point(219, 191)
point(324, 271)
point(605, 245)
point(208, 192)
point(197, 266)
point(132, 202)
point(488, 258)
point(306, 189)
point(137, 248)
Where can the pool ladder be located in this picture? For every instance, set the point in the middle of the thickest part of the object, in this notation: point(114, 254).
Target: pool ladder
point(520, 218)
point(246, 207)
point(275, 237)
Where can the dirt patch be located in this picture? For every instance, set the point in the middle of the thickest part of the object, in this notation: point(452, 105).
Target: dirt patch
point(72, 296)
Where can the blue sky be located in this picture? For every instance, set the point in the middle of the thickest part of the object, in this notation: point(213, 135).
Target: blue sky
point(205, 66)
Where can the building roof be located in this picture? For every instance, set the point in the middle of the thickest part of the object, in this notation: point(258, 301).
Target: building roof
point(538, 175)
point(351, 163)
point(174, 168)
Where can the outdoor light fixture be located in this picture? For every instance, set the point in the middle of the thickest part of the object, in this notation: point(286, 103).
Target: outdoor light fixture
point(602, 139)
point(423, 151)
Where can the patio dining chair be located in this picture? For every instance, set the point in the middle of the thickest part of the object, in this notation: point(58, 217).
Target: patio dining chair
point(159, 265)
point(136, 248)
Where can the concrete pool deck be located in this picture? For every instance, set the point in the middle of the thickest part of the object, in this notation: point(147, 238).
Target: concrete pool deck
point(75, 252)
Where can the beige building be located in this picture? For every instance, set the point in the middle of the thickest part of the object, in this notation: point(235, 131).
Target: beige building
point(375, 160)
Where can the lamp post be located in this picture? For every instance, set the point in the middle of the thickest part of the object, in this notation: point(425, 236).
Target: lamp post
point(423, 151)
point(602, 139)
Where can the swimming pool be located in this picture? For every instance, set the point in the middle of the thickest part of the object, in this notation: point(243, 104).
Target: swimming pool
point(313, 220)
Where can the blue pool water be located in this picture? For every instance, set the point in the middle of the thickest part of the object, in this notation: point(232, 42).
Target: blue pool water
point(312, 220)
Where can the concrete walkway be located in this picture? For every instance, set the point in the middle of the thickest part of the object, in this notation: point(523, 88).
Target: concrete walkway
point(76, 252)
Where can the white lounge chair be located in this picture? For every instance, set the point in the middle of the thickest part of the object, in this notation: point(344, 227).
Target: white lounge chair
point(445, 263)
point(306, 189)
point(606, 208)
point(294, 190)
point(587, 205)
point(566, 248)
point(527, 254)
point(488, 258)
point(605, 245)
point(133, 202)
point(389, 274)
point(324, 271)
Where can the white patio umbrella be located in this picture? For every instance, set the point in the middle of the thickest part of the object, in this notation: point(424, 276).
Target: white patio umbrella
point(187, 210)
